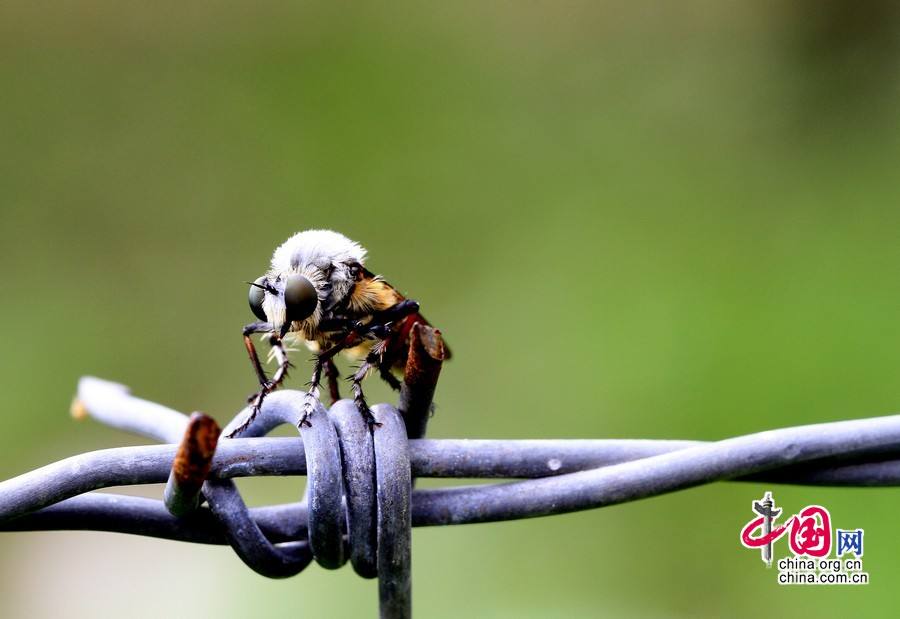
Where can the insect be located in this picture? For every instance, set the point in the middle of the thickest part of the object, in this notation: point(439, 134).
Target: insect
point(319, 290)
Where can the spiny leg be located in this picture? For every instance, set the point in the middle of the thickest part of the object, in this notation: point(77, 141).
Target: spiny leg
point(283, 363)
point(382, 355)
point(267, 385)
point(379, 326)
point(356, 386)
point(270, 385)
point(320, 362)
point(256, 400)
point(358, 397)
point(248, 330)
point(312, 392)
point(332, 374)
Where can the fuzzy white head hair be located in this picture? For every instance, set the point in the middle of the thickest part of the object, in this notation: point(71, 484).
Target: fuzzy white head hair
point(322, 256)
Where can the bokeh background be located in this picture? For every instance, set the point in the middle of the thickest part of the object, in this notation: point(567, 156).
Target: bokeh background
point(629, 219)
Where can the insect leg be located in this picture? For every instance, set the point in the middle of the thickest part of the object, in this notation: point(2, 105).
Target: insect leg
point(358, 397)
point(380, 327)
point(248, 330)
point(399, 310)
point(331, 373)
point(283, 363)
point(270, 385)
point(384, 370)
point(356, 385)
point(267, 385)
point(380, 323)
point(320, 361)
point(385, 359)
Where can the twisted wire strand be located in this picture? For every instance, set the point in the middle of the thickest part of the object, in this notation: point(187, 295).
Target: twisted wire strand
point(432, 458)
point(360, 505)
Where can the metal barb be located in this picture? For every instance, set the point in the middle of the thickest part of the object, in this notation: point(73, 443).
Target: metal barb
point(191, 465)
point(360, 503)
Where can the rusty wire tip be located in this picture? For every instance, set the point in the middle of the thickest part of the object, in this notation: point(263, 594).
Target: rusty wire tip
point(192, 464)
point(431, 341)
point(423, 367)
point(77, 409)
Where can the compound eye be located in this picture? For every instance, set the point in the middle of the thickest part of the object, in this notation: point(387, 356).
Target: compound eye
point(256, 299)
point(300, 297)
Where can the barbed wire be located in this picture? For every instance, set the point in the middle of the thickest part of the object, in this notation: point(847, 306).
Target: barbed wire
point(360, 503)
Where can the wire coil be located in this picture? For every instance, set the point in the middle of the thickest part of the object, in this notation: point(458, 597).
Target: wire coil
point(360, 505)
point(340, 452)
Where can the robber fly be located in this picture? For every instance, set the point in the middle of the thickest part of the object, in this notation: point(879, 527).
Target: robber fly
point(319, 290)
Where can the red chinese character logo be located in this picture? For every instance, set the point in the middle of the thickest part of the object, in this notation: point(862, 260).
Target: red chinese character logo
point(811, 532)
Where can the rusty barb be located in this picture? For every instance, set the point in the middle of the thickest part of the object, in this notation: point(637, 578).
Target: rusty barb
point(192, 464)
point(360, 504)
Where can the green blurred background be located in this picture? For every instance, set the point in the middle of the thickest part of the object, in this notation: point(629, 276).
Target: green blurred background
point(629, 219)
